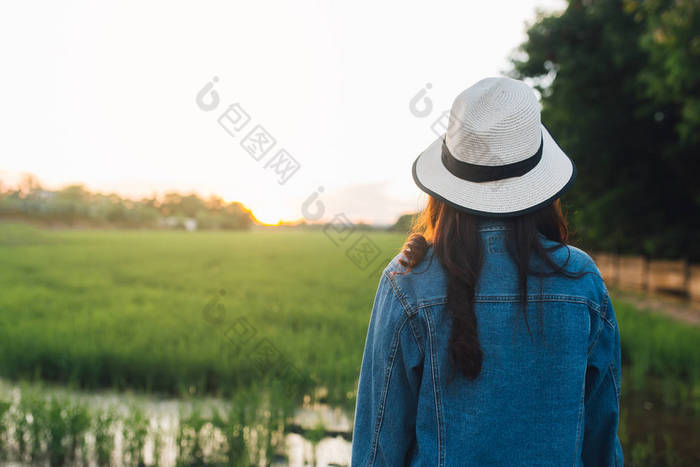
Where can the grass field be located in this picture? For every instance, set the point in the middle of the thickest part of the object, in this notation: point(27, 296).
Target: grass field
point(214, 312)
point(144, 309)
point(183, 312)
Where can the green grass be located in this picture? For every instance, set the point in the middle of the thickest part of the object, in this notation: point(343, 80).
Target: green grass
point(656, 345)
point(124, 309)
point(659, 355)
point(144, 310)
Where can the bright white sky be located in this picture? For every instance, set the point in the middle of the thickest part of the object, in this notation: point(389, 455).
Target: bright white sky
point(104, 94)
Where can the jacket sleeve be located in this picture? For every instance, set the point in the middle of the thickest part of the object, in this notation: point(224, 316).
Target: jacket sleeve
point(387, 395)
point(601, 445)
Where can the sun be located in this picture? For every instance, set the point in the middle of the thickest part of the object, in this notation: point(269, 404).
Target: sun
point(268, 215)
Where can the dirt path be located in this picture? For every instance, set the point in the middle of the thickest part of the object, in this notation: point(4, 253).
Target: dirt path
point(677, 308)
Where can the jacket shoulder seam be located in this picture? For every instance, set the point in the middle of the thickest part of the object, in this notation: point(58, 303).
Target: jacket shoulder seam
point(407, 308)
point(409, 311)
point(604, 309)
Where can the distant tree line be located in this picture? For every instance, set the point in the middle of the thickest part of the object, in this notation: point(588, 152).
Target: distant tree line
point(76, 206)
point(403, 223)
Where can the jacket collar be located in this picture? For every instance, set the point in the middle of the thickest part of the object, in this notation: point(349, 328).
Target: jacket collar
point(492, 223)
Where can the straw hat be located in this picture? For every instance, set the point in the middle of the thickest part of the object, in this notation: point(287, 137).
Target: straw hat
point(496, 158)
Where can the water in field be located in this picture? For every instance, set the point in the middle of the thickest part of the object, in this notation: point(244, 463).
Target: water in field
point(316, 434)
point(654, 430)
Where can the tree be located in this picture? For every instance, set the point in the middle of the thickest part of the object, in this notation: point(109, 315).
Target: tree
point(75, 205)
point(626, 113)
point(403, 223)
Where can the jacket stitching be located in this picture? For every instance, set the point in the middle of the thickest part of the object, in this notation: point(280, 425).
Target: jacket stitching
point(578, 425)
point(428, 304)
point(540, 298)
point(407, 309)
point(385, 391)
point(515, 298)
point(532, 298)
point(612, 371)
point(436, 394)
point(595, 341)
point(604, 309)
point(412, 324)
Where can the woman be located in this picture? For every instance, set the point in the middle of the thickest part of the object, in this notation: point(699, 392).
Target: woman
point(491, 341)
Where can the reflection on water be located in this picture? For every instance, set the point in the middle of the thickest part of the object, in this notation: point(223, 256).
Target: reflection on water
point(316, 434)
point(658, 428)
point(660, 432)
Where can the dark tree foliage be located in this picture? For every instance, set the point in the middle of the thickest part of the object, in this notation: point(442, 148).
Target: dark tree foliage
point(620, 85)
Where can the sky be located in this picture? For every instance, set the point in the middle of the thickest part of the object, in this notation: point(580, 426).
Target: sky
point(308, 109)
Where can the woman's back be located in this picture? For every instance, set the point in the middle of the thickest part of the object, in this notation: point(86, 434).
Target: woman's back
point(547, 392)
point(491, 342)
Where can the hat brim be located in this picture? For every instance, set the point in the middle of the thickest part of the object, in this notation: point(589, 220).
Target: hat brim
point(548, 180)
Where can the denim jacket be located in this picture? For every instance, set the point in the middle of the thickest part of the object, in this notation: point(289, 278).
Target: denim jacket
point(551, 397)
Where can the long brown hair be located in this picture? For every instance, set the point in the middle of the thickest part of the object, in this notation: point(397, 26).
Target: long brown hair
point(456, 242)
